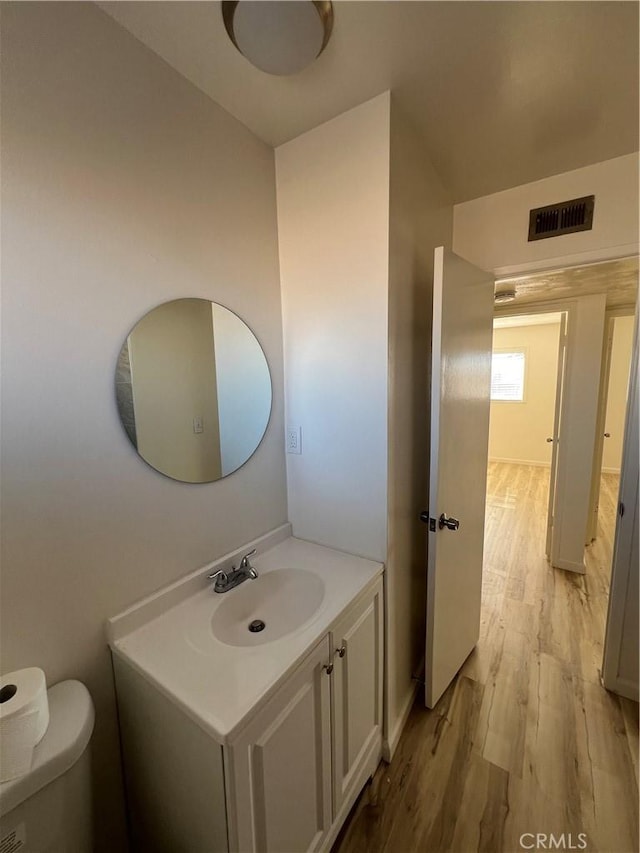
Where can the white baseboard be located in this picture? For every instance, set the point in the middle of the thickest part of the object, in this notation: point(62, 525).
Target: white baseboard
point(389, 746)
point(611, 471)
point(533, 462)
point(568, 566)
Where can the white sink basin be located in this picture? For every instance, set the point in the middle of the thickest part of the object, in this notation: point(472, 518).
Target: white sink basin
point(275, 604)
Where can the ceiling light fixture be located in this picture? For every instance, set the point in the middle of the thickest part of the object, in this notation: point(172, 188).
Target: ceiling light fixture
point(505, 294)
point(279, 36)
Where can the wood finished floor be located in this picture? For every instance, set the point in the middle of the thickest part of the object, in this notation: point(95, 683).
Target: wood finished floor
point(525, 740)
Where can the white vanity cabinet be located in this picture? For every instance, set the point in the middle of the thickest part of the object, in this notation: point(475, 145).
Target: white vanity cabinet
point(356, 696)
point(280, 766)
point(297, 767)
point(256, 747)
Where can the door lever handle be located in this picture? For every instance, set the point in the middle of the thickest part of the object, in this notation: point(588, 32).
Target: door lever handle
point(449, 522)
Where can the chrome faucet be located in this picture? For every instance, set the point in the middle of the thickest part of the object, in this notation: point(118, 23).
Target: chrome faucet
point(246, 565)
point(225, 581)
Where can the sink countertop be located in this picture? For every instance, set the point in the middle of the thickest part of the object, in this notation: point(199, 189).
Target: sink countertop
point(216, 684)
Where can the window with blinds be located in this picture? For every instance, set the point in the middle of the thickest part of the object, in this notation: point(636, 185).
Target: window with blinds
point(507, 376)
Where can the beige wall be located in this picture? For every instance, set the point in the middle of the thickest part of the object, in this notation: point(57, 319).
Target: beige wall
point(492, 231)
point(518, 431)
point(617, 396)
point(333, 230)
point(420, 219)
point(123, 186)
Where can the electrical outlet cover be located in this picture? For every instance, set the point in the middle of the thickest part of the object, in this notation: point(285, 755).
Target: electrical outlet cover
point(294, 439)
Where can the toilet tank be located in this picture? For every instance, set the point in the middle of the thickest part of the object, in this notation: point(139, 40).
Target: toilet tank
point(48, 810)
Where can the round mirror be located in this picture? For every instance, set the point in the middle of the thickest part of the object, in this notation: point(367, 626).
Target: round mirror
point(193, 390)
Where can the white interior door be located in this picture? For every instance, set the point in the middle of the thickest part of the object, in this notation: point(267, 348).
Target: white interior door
point(460, 392)
point(596, 476)
point(555, 438)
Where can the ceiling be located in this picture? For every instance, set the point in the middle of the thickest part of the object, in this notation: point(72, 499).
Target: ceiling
point(503, 93)
point(618, 279)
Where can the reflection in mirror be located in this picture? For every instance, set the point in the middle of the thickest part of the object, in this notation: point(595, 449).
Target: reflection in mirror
point(193, 390)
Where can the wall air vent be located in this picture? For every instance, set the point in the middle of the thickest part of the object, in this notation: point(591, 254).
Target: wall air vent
point(563, 218)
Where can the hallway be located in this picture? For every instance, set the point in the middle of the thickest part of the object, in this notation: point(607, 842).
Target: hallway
point(525, 740)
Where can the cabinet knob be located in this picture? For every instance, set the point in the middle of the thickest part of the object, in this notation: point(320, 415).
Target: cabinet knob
point(328, 668)
point(341, 652)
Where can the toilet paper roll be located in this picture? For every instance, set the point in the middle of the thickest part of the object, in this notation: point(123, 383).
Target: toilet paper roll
point(24, 717)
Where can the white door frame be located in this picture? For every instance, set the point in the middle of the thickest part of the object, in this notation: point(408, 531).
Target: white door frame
point(598, 450)
point(561, 372)
point(610, 316)
point(565, 262)
point(622, 597)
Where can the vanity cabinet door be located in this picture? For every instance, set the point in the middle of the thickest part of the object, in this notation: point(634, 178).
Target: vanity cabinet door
point(281, 766)
point(357, 696)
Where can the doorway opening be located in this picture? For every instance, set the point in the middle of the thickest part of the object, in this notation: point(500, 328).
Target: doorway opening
point(542, 634)
point(532, 433)
point(527, 369)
